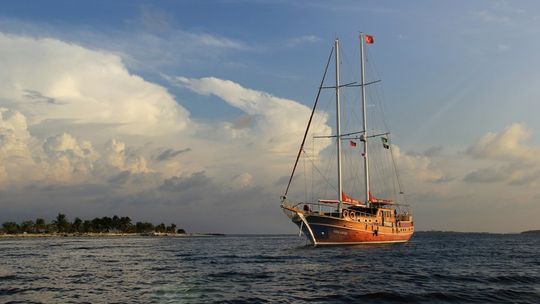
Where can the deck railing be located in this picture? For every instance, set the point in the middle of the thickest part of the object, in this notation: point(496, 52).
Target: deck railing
point(330, 210)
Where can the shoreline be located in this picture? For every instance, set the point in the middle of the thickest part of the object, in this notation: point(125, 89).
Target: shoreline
point(106, 234)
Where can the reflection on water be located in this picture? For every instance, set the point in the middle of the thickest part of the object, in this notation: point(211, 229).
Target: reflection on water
point(448, 268)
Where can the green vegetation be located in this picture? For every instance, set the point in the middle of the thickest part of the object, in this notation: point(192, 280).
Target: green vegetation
point(106, 224)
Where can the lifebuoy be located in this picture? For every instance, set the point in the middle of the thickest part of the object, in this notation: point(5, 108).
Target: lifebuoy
point(345, 213)
point(352, 215)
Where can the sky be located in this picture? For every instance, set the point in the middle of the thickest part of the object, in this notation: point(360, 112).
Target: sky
point(191, 112)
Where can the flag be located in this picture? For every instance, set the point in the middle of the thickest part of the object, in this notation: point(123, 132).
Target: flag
point(352, 143)
point(385, 142)
point(347, 199)
point(369, 39)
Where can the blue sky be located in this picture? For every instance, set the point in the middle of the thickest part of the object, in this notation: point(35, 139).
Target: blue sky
point(458, 78)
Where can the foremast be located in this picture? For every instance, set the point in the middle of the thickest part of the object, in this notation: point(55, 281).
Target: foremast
point(338, 130)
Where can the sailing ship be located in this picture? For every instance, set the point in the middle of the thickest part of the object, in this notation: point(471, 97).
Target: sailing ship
point(345, 220)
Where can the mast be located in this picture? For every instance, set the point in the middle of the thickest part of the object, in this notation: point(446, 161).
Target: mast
point(364, 115)
point(338, 128)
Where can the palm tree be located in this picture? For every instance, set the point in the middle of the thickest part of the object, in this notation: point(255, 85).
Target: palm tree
point(40, 225)
point(160, 228)
point(125, 224)
point(87, 226)
point(11, 227)
point(96, 225)
point(106, 224)
point(76, 226)
point(27, 226)
point(61, 223)
point(171, 228)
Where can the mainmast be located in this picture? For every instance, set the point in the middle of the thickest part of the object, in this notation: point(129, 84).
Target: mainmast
point(364, 114)
point(338, 128)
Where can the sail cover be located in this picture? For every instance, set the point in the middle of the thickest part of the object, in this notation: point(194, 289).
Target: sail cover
point(373, 199)
point(347, 199)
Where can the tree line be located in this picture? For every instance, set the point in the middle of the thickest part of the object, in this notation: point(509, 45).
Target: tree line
point(105, 224)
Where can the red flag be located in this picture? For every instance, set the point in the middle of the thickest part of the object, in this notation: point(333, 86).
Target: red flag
point(369, 39)
point(352, 143)
point(347, 199)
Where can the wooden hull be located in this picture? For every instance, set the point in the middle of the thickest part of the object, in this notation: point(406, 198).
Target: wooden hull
point(326, 230)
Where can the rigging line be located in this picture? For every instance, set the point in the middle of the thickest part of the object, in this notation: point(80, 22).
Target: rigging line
point(328, 163)
point(341, 86)
point(379, 100)
point(373, 68)
point(309, 122)
point(345, 134)
point(317, 169)
point(352, 84)
point(305, 180)
point(396, 171)
point(313, 152)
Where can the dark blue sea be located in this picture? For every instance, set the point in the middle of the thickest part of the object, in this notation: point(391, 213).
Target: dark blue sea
point(432, 268)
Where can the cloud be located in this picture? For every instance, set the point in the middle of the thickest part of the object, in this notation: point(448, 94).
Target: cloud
point(276, 123)
point(489, 17)
point(38, 97)
point(17, 149)
point(520, 161)
point(486, 175)
point(84, 86)
point(152, 41)
point(302, 40)
point(193, 182)
point(156, 20)
point(242, 181)
point(433, 151)
point(171, 153)
point(419, 167)
point(62, 159)
point(80, 133)
point(506, 145)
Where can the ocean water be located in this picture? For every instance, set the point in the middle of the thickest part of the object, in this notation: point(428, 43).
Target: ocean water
point(432, 268)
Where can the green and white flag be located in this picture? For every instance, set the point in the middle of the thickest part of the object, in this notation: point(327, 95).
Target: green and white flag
point(385, 142)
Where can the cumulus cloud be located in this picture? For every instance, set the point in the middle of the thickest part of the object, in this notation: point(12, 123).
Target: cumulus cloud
point(81, 98)
point(75, 123)
point(509, 156)
point(276, 123)
point(17, 149)
point(64, 108)
point(419, 166)
point(506, 145)
point(48, 79)
point(63, 158)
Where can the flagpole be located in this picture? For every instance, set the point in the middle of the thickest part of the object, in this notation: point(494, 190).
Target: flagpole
point(364, 114)
point(338, 130)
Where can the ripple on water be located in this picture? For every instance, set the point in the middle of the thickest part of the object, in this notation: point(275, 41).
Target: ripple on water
point(443, 268)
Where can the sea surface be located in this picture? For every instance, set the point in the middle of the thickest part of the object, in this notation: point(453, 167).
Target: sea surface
point(432, 268)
